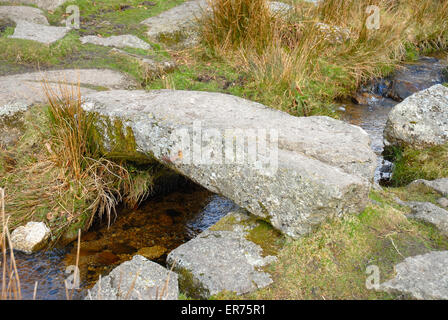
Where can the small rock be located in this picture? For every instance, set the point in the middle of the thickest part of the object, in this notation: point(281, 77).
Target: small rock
point(106, 258)
point(148, 281)
point(38, 32)
point(430, 213)
point(122, 41)
point(94, 245)
point(438, 185)
point(23, 13)
point(443, 202)
point(423, 277)
point(152, 253)
point(415, 77)
point(31, 237)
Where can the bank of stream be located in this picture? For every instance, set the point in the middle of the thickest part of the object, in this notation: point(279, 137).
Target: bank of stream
point(164, 222)
point(158, 226)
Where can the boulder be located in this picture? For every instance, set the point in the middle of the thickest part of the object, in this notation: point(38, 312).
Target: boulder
point(423, 277)
point(19, 13)
point(30, 238)
point(138, 279)
point(438, 185)
point(121, 41)
point(305, 170)
point(415, 77)
point(38, 32)
point(429, 213)
point(421, 120)
point(217, 261)
point(44, 4)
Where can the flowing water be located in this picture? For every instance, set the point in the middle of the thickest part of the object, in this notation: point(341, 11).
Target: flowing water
point(164, 222)
point(377, 99)
point(159, 225)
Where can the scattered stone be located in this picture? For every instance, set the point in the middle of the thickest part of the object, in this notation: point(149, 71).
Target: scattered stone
point(443, 202)
point(429, 213)
point(152, 282)
point(18, 92)
point(423, 277)
point(280, 8)
point(152, 253)
point(23, 13)
point(175, 25)
point(438, 185)
point(333, 34)
point(151, 67)
point(122, 41)
point(320, 168)
point(38, 32)
point(421, 120)
point(216, 261)
point(30, 238)
point(44, 4)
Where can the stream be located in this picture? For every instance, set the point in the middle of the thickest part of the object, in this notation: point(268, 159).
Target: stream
point(162, 223)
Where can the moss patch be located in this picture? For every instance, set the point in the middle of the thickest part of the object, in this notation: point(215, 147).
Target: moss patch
point(410, 164)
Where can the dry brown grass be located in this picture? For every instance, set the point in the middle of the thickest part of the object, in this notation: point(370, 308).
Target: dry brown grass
point(296, 65)
point(58, 175)
point(10, 276)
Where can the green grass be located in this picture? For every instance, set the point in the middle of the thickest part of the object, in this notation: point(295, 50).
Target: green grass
point(410, 164)
point(331, 263)
point(105, 17)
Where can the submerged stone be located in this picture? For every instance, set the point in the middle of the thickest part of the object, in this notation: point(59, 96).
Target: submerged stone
point(19, 13)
